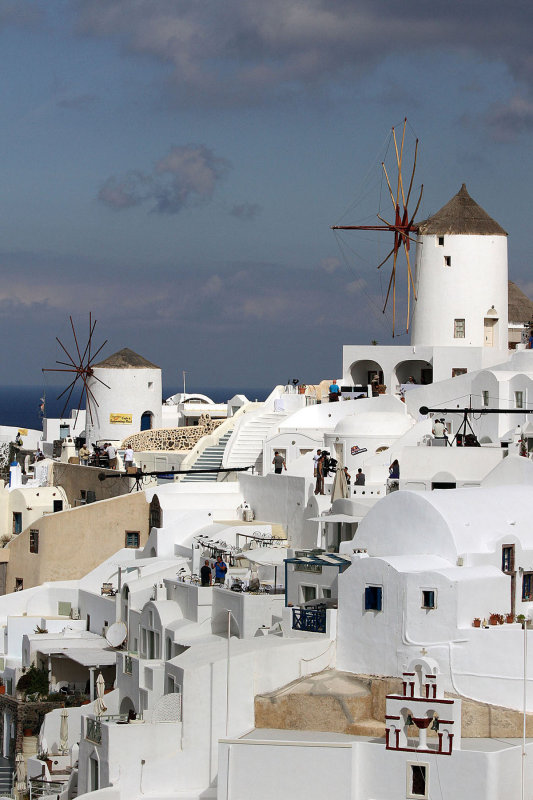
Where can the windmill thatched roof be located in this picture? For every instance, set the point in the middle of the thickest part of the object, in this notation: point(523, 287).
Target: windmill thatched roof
point(520, 306)
point(461, 215)
point(126, 359)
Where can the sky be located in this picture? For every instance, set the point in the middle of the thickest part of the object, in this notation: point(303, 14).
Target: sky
point(174, 168)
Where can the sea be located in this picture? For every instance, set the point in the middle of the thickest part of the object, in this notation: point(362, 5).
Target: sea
point(20, 405)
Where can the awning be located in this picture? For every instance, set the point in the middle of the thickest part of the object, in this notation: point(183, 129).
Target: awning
point(86, 656)
point(266, 556)
point(335, 518)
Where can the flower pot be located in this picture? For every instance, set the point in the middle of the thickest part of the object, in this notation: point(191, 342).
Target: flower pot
point(2, 689)
point(509, 619)
point(476, 623)
point(28, 732)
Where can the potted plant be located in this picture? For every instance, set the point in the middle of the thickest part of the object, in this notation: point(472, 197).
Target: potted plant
point(494, 618)
point(509, 618)
point(476, 623)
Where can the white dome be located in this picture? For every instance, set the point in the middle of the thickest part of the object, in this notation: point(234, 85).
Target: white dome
point(373, 423)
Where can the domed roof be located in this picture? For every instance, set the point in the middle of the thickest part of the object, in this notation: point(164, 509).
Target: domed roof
point(461, 215)
point(126, 359)
point(373, 423)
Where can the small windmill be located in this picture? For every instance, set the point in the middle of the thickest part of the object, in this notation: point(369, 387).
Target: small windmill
point(82, 369)
point(402, 226)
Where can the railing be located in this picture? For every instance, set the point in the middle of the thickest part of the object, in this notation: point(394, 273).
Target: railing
point(312, 620)
point(93, 732)
point(41, 788)
point(128, 665)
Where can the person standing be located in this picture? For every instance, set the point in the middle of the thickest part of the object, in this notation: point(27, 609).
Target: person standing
point(319, 486)
point(438, 429)
point(315, 461)
point(279, 463)
point(221, 569)
point(394, 470)
point(112, 455)
point(206, 574)
point(84, 454)
point(360, 478)
point(128, 457)
point(334, 392)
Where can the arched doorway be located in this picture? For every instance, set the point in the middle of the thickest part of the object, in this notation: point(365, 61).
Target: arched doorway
point(364, 371)
point(126, 705)
point(421, 371)
point(147, 420)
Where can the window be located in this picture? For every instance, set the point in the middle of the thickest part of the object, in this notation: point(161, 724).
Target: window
point(519, 399)
point(458, 329)
point(508, 558)
point(373, 598)
point(19, 584)
point(171, 686)
point(133, 538)
point(417, 780)
point(90, 496)
point(17, 522)
point(168, 649)
point(428, 598)
point(155, 519)
point(308, 593)
point(485, 397)
point(447, 261)
point(34, 540)
point(150, 384)
point(440, 241)
point(458, 371)
point(326, 594)
point(527, 586)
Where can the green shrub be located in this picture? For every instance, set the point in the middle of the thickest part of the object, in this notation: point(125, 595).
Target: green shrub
point(34, 681)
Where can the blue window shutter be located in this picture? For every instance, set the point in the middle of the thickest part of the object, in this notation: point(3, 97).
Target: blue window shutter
point(379, 593)
point(368, 598)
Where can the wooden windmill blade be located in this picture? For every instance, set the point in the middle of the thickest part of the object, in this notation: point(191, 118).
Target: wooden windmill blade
point(81, 368)
point(403, 224)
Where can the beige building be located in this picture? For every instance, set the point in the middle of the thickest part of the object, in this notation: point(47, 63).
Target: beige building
point(69, 544)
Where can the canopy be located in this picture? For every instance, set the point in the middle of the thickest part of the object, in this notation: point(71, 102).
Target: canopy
point(267, 556)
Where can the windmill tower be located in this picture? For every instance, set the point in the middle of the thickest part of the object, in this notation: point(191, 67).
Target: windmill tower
point(127, 393)
point(461, 278)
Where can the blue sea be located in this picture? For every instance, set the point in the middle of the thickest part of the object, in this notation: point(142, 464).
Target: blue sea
point(19, 405)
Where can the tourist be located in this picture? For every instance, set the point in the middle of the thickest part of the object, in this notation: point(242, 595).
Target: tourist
point(221, 569)
point(18, 439)
point(206, 574)
point(348, 476)
point(84, 454)
point(128, 457)
point(319, 486)
point(394, 469)
point(112, 455)
point(279, 463)
point(438, 429)
point(360, 478)
point(334, 392)
point(315, 461)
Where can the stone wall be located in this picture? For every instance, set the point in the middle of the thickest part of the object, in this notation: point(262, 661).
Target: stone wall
point(24, 715)
point(172, 438)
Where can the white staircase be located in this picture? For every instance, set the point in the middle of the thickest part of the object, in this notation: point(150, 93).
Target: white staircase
point(246, 448)
point(209, 458)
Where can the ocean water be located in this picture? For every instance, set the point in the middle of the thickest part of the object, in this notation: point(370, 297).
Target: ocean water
point(19, 405)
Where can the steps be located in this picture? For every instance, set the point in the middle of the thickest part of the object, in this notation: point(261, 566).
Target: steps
point(210, 458)
point(6, 781)
point(247, 450)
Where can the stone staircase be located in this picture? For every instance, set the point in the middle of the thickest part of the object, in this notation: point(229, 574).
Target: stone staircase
point(247, 450)
point(209, 458)
point(6, 781)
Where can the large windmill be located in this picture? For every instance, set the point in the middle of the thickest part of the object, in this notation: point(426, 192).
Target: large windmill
point(402, 226)
point(80, 365)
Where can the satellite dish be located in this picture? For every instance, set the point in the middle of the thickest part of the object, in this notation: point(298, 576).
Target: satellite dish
point(116, 634)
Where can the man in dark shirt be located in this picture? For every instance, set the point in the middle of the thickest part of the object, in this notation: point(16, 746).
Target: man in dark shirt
point(360, 478)
point(206, 574)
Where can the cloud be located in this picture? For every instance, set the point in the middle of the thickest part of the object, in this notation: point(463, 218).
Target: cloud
point(246, 211)
point(356, 286)
point(234, 52)
point(185, 177)
point(330, 264)
point(507, 121)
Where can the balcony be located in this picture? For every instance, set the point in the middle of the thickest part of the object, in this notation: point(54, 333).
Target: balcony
point(312, 620)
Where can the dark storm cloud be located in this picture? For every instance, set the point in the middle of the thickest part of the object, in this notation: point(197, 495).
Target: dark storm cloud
point(185, 177)
point(245, 52)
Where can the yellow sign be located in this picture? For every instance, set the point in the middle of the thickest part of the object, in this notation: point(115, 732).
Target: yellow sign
point(23, 431)
point(120, 419)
